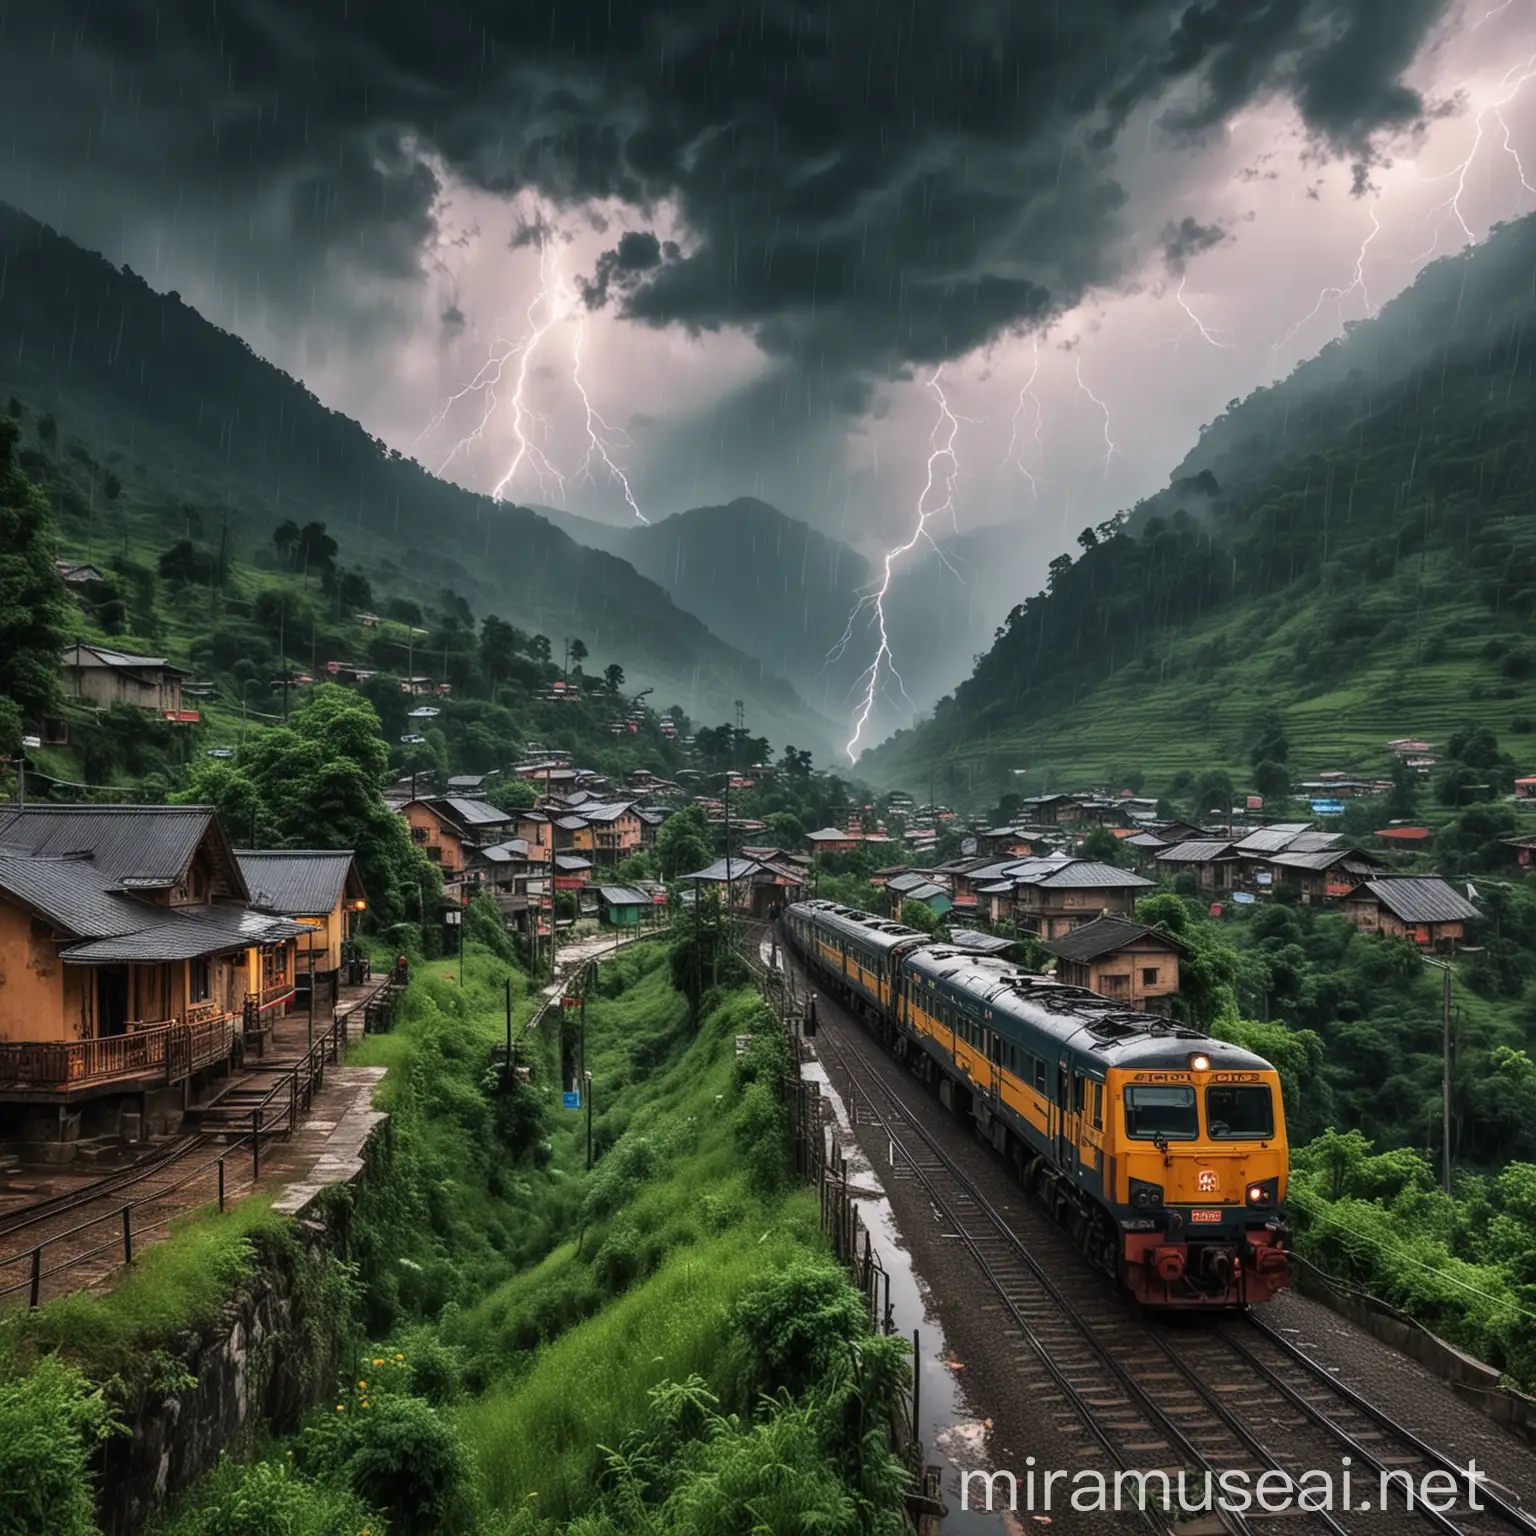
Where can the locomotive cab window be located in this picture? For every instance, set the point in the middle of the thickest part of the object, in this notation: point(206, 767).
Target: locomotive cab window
point(1161, 1111)
point(1239, 1113)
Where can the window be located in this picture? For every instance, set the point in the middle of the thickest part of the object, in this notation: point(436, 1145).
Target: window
point(418, 834)
point(1098, 1106)
point(199, 982)
point(1244, 1113)
point(1161, 1111)
point(1117, 985)
point(1079, 1093)
point(1149, 975)
point(1039, 1075)
point(996, 1051)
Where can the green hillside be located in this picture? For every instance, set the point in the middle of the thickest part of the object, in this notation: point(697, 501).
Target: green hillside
point(1355, 546)
point(196, 437)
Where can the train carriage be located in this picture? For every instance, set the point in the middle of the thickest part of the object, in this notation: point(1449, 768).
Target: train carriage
point(1162, 1150)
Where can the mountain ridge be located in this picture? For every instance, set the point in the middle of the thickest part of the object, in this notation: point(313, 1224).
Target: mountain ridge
point(186, 413)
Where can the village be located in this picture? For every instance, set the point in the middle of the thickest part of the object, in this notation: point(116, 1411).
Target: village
point(149, 958)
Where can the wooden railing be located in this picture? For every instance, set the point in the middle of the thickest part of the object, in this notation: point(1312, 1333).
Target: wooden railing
point(174, 1048)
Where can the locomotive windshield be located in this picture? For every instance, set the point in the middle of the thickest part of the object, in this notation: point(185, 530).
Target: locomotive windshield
point(1166, 1112)
point(1239, 1114)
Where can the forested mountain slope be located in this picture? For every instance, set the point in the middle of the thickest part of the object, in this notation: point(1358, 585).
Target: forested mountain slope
point(773, 585)
point(184, 415)
point(1356, 545)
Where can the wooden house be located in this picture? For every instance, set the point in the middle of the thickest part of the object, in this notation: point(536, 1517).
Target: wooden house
point(1420, 908)
point(1053, 895)
point(130, 952)
point(104, 677)
point(451, 830)
point(320, 888)
point(1129, 962)
point(1213, 862)
point(832, 840)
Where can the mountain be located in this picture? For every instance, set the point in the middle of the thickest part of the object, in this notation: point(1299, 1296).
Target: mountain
point(1354, 546)
point(773, 585)
point(188, 421)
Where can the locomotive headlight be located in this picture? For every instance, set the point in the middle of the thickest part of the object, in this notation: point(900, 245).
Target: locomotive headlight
point(1199, 1063)
point(1263, 1192)
point(1146, 1196)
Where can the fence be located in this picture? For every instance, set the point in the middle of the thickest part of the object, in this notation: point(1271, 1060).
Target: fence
point(820, 1160)
point(176, 1049)
point(274, 1115)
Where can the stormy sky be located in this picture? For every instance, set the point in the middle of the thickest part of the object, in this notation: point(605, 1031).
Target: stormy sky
point(762, 226)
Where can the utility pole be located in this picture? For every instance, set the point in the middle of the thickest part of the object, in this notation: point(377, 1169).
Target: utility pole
point(1445, 1076)
point(310, 944)
point(587, 1079)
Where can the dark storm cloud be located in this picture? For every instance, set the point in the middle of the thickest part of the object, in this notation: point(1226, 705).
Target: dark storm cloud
point(638, 252)
point(1183, 241)
point(862, 185)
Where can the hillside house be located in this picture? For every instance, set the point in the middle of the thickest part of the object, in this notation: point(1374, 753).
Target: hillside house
point(320, 888)
point(1053, 810)
point(623, 906)
point(1421, 908)
point(918, 887)
point(130, 959)
point(1329, 875)
point(1051, 896)
point(1525, 789)
point(754, 886)
point(1213, 862)
point(104, 677)
point(1524, 850)
point(832, 840)
point(451, 830)
point(1129, 962)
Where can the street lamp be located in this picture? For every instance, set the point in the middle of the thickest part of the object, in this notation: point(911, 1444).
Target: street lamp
point(1445, 1078)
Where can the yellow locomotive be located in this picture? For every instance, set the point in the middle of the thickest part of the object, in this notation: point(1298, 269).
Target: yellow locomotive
point(1160, 1149)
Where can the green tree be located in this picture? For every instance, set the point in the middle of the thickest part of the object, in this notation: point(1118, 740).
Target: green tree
point(513, 794)
point(1103, 845)
point(683, 843)
point(34, 608)
point(499, 644)
point(613, 676)
point(1403, 797)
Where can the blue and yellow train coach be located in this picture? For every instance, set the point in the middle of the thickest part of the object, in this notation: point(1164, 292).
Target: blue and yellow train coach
point(1160, 1148)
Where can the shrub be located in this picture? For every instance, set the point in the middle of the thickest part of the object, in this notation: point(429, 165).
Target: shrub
point(794, 1320)
point(268, 1498)
point(406, 1459)
point(50, 1419)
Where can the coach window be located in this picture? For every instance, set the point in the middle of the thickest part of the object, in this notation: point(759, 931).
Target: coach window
point(1039, 1075)
point(1244, 1113)
point(1160, 1111)
point(1098, 1106)
point(996, 1051)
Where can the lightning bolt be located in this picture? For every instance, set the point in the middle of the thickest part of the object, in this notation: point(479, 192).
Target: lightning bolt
point(1200, 325)
point(1513, 79)
point(941, 450)
point(556, 299)
point(1014, 455)
point(1488, 16)
point(1109, 442)
point(1336, 294)
point(597, 443)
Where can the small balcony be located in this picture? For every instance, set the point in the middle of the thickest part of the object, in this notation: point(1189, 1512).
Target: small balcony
point(148, 1055)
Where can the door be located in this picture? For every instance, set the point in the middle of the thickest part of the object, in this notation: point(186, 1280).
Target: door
point(1066, 1141)
point(111, 1000)
point(995, 1075)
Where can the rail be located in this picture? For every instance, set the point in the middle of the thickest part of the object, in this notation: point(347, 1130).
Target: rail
point(274, 1115)
point(1196, 1369)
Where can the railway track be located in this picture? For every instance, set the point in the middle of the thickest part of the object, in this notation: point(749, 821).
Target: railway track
point(26, 1217)
point(1193, 1395)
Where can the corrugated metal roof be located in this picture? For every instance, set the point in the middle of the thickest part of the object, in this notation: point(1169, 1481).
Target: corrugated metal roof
point(1145, 840)
point(473, 813)
point(571, 823)
point(1088, 873)
point(924, 892)
point(830, 834)
point(572, 862)
point(1420, 899)
point(181, 933)
point(1267, 840)
point(1324, 858)
point(149, 844)
point(1195, 851)
point(623, 896)
point(514, 848)
point(735, 868)
point(1316, 842)
point(307, 882)
point(72, 894)
point(1102, 936)
point(111, 658)
point(977, 942)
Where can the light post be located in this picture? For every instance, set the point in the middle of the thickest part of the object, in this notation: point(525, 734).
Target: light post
point(587, 1078)
point(1445, 1074)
